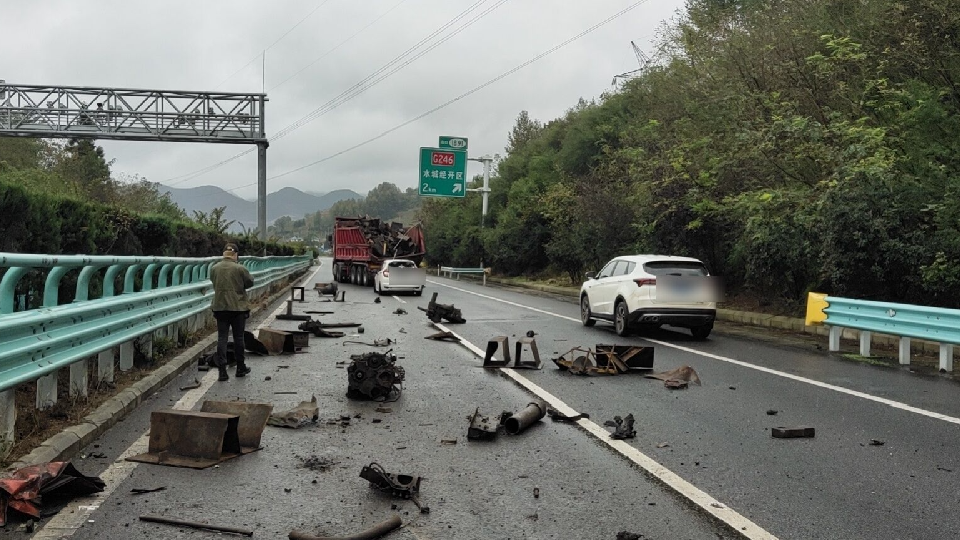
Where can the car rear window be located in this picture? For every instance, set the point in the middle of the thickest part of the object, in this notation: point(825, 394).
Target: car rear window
point(402, 264)
point(675, 268)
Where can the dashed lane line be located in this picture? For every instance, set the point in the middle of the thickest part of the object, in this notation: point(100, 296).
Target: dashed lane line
point(827, 386)
point(78, 512)
point(728, 516)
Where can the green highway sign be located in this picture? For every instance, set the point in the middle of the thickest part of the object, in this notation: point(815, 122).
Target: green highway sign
point(454, 143)
point(443, 172)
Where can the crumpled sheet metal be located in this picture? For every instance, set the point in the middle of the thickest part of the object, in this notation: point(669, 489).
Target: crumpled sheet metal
point(676, 378)
point(23, 490)
point(307, 412)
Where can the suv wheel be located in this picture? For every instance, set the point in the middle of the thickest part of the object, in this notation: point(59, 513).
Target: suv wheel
point(701, 332)
point(620, 315)
point(585, 312)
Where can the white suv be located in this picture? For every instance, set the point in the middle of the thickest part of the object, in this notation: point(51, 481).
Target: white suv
point(625, 293)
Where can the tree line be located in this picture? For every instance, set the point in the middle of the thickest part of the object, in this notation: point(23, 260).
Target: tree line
point(791, 145)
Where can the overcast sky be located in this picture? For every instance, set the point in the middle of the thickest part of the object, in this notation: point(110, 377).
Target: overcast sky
point(204, 45)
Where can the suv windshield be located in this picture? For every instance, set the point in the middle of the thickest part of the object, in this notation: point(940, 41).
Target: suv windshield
point(675, 268)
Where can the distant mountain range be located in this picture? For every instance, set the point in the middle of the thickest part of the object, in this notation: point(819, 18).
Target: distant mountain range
point(286, 202)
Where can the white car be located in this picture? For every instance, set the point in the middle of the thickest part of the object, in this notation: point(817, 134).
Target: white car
point(400, 275)
point(625, 293)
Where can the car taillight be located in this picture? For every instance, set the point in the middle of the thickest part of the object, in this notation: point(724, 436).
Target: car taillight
point(645, 281)
point(386, 273)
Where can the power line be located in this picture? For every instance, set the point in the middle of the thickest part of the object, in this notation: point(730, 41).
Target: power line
point(278, 40)
point(466, 94)
point(362, 85)
point(342, 43)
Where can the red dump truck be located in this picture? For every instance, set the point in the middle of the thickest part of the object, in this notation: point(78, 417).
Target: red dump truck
point(361, 244)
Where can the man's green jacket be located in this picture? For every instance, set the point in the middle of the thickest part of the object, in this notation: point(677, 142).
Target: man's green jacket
point(230, 283)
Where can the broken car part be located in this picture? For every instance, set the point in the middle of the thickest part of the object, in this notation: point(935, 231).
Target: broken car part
point(677, 378)
point(307, 412)
point(283, 341)
point(400, 311)
point(623, 427)
point(520, 421)
point(481, 429)
point(558, 416)
point(607, 360)
point(143, 491)
point(289, 316)
point(24, 490)
point(326, 288)
point(374, 375)
point(372, 533)
point(437, 312)
point(253, 420)
point(191, 439)
point(526, 343)
point(195, 525)
point(793, 432)
point(403, 486)
point(443, 336)
point(503, 343)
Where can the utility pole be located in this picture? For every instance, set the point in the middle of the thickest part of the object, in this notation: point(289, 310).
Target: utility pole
point(487, 161)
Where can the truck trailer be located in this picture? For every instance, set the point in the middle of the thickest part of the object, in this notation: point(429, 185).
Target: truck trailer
point(361, 244)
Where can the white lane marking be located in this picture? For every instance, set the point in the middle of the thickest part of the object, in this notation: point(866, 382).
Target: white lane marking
point(720, 511)
point(398, 299)
point(74, 515)
point(855, 393)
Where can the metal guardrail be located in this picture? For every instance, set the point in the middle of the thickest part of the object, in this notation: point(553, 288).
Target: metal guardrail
point(451, 271)
point(36, 343)
point(906, 321)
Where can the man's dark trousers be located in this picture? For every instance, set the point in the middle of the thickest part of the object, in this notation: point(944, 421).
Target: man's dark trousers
point(225, 321)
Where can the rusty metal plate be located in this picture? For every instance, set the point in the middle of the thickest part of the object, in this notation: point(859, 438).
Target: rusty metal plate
point(531, 344)
point(191, 439)
point(253, 420)
point(502, 343)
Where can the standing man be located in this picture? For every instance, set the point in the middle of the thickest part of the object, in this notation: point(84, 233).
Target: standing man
point(231, 308)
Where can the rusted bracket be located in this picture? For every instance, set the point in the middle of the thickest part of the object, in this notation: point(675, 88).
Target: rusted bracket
point(501, 343)
point(531, 343)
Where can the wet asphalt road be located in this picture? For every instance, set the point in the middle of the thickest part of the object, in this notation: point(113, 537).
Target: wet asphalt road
point(474, 490)
point(835, 486)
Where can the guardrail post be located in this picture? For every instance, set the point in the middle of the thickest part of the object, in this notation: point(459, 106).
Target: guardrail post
point(126, 356)
point(8, 420)
point(946, 357)
point(78, 378)
point(178, 275)
point(47, 391)
point(146, 346)
point(83, 283)
point(8, 286)
point(164, 279)
point(904, 351)
point(864, 343)
point(51, 287)
point(109, 278)
point(105, 366)
point(130, 279)
point(834, 338)
point(148, 276)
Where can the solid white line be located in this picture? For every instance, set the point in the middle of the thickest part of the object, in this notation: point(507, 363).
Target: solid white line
point(889, 402)
point(74, 515)
point(695, 495)
point(398, 299)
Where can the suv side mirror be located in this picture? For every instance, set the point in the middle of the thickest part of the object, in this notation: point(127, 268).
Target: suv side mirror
point(591, 275)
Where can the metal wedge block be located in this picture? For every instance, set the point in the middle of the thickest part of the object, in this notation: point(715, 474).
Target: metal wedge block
point(253, 420)
point(196, 440)
point(501, 343)
point(530, 344)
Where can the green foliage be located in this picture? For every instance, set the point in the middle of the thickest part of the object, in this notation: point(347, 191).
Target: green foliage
point(792, 145)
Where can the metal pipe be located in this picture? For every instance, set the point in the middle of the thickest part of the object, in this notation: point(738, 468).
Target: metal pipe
point(372, 533)
point(195, 525)
point(525, 418)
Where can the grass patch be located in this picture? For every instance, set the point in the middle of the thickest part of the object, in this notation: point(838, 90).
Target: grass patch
point(870, 360)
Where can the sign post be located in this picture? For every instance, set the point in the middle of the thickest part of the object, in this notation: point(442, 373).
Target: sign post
point(443, 172)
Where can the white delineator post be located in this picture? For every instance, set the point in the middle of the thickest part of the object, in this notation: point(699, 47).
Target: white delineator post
point(8, 419)
point(946, 356)
point(864, 343)
point(105, 366)
point(904, 351)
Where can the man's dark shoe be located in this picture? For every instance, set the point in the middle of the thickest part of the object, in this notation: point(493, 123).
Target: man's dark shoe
point(242, 370)
point(223, 374)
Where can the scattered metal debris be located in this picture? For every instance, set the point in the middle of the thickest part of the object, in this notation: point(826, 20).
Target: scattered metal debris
point(536, 493)
point(252, 344)
point(318, 464)
point(318, 330)
point(399, 485)
point(191, 439)
point(663, 445)
point(531, 333)
point(326, 288)
point(384, 409)
point(276, 341)
point(503, 343)
point(289, 315)
point(443, 336)
point(252, 420)
point(481, 429)
point(400, 311)
point(24, 490)
point(374, 375)
point(307, 412)
point(558, 416)
point(194, 386)
point(677, 378)
point(313, 312)
point(372, 533)
point(448, 442)
point(376, 300)
point(437, 312)
point(194, 524)
point(624, 535)
point(624, 427)
point(385, 342)
point(793, 433)
point(520, 421)
point(877, 442)
point(142, 491)
point(607, 360)
point(772, 412)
